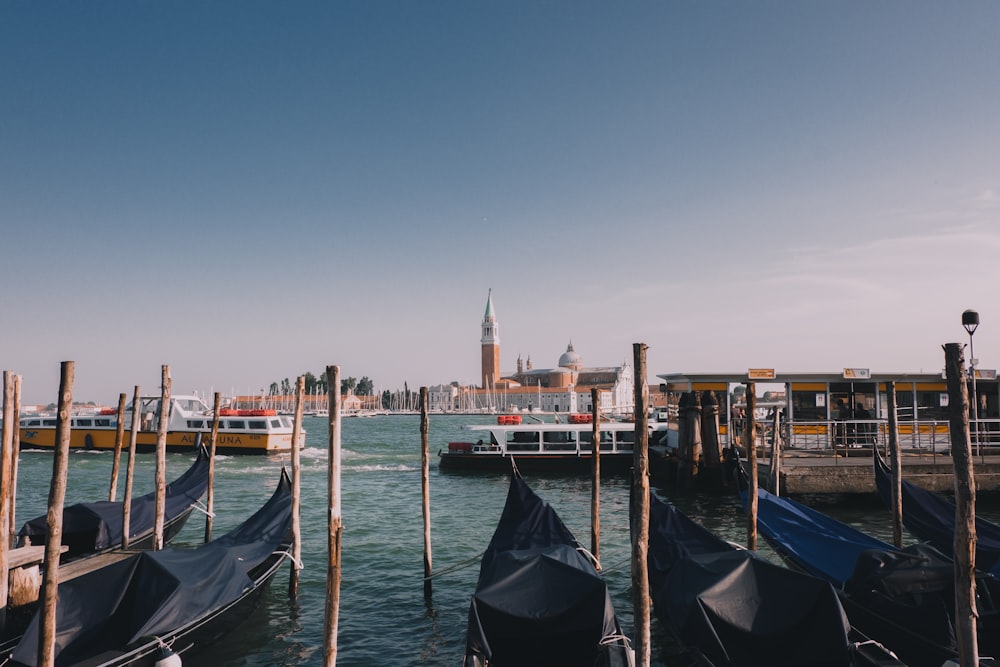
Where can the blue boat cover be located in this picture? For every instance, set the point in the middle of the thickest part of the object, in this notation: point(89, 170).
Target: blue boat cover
point(931, 517)
point(731, 608)
point(154, 593)
point(97, 526)
point(539, 600)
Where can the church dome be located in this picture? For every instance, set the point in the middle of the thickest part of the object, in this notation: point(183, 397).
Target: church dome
point(570, 359)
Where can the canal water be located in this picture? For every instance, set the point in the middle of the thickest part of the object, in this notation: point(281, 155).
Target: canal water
point(384, 618)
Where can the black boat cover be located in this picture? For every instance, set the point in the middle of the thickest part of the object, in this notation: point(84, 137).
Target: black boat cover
point(539, 600)
point(731, 608)
point(154, 593)
point(931, 517)
point(97, 526)
point(904, 598)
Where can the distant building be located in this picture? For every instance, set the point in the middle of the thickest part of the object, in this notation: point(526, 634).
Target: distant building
point(565, 388)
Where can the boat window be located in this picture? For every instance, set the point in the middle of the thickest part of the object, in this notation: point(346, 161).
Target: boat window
point(237, 423)
point(275, 423)
point(625, 437)
point(31, 422)
point(258, 424)
point(586, 437)
point(559, 437)
point(84, 422)
point(522, 440)
point(195, 423)
point(102, 422)
point(49, 422)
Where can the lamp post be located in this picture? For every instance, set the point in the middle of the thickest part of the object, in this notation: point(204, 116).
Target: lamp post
point(970, 320)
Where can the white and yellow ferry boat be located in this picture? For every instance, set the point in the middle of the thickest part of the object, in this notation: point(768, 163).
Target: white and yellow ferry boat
point(189, 420)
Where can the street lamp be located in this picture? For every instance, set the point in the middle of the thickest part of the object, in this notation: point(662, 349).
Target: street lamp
point(970, 320)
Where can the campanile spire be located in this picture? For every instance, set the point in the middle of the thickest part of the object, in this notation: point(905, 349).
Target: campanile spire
point(491, 345)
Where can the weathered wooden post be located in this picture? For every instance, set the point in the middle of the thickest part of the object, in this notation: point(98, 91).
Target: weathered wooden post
point(15, 450)
point(161, 457)
point(119, 439)
point(53, 520)
point(293, 580)
point(751, 447)
point(213, 441)
point(6, 474)
point(595, 487)
point(130, 469)
point(335, 527)
point(640, 510)
point(966, 612)
point(896, 465)
point(425, 486)
point(710, 447)
point(774, 470)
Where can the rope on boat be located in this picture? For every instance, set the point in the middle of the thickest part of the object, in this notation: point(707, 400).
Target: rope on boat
point(201, 507)
point(591, 557)
point(615, 639)
point(298, 564)
point(457, 566)
point(618, 566)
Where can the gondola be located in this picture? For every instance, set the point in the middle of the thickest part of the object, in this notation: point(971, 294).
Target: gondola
point(931, 518)
point(903, 598)
point(173, 600)
point(91, 528)
point(724, 606)
point(539, 600)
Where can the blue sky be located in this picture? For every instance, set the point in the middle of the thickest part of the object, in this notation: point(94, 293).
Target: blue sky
point(247, 191)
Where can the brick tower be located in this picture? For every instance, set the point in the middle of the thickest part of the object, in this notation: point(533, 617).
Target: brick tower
point(491, 345)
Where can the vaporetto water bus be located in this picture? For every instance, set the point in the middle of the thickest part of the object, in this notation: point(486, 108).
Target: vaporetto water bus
point(189, 419)
point(543, 447)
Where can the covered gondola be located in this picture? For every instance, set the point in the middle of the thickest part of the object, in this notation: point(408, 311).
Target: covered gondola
point(903, 598)
point(130, 612)
point(540, 600)
point(724, 606)
point(931, 517)
point(95, 527)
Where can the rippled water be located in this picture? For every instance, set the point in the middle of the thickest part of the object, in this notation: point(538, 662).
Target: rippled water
point(384, 619)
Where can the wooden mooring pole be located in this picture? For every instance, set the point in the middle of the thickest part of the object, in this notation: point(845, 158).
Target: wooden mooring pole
point(130, 469)
point(595, 487)
point(751, 447)
point(119, 439)
point(293, 579)
point(335, 525)
point(895, 465)
point(6, 475)
point(213, 441)
point(425, 488)
point(14, 452)
point(965, 507)
point(54, 518)
point(161, 458)
point(640, 510)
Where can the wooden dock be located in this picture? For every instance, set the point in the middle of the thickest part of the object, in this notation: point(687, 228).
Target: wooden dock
point(824, 472)
point(803, 472)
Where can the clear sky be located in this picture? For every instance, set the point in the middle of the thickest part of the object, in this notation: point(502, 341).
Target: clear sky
point(247, 191)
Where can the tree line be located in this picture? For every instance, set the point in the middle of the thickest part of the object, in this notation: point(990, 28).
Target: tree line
point(317, 385)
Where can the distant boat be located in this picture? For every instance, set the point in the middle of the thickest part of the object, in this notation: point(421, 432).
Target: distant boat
point(189, 421)
point(539, 446)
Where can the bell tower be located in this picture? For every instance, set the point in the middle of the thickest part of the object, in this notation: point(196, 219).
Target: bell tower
point(491, 345)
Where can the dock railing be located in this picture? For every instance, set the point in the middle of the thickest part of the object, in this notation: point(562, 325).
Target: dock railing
point(921, 436)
